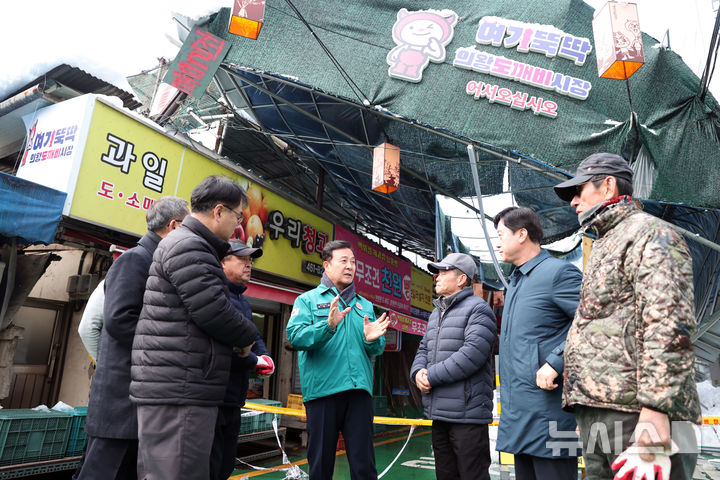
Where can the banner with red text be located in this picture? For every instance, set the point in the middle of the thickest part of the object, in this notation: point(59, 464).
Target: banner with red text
point(382, 277)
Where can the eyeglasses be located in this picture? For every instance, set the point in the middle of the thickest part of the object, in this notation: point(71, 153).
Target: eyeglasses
point(248, 260)
point(239, 216)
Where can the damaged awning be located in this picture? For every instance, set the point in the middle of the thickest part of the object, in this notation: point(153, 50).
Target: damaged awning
point(28, 211)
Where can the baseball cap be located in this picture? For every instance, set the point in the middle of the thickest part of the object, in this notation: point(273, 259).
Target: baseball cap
point(240, 249)
point(596, 164)
point(461, 261)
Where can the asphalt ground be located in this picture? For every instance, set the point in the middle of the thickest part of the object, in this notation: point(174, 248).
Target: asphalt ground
point(415, 463)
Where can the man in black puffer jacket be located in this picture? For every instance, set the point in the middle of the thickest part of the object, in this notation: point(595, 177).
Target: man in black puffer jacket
point(111, 423)
point(453, 371)
point(185, 336)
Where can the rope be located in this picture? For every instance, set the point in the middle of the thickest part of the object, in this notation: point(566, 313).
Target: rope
point(412, 429)
point(293, 471)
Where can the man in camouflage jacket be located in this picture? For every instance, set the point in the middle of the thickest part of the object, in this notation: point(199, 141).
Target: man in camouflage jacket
point(628, 355)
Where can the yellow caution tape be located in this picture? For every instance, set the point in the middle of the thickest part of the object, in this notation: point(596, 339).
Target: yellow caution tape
point(268, 408)
point(401, 421)
point(379, 420)
point(393, 420)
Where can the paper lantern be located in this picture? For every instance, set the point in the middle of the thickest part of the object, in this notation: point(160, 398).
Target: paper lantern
point(386, 168)
point(618, 40)
point(247, 18)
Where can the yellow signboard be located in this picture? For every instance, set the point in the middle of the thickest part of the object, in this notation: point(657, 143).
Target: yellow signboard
point(422, 290)
point(127, 165)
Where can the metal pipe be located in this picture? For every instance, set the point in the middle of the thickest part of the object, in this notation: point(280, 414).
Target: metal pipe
point(462, 140)
point(27, 96)
point(476, 181)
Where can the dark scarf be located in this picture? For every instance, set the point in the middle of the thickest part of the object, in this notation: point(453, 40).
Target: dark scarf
point(346, 295)
point(596, 221)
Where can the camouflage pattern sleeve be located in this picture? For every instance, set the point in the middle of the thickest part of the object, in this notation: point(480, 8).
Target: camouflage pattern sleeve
point(664, 302)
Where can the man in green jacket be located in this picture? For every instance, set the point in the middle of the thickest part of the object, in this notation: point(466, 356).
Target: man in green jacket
point(629, 358)
point(337, 335)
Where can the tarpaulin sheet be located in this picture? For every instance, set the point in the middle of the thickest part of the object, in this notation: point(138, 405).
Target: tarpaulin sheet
point(679, 131)
point(29, 211)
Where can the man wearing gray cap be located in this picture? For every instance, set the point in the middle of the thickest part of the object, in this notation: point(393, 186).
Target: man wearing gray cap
point(629, 357)
point(453, 371)
point(237, 266)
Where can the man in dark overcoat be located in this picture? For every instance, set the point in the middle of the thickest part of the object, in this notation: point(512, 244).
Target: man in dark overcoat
point(111, 422)
point(539, 307)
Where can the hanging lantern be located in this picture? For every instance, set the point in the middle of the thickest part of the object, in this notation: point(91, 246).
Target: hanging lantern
point(618, 40)
point(247, 18)
point(386, 168)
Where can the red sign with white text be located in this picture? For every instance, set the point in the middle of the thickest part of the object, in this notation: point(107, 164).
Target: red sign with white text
point(196, 63)
point(406, 324)
point(381, 277)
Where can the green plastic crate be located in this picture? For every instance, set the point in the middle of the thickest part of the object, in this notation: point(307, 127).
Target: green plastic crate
point(249, 421)
point(78, 437)
point(30, 435)
point(266, 418)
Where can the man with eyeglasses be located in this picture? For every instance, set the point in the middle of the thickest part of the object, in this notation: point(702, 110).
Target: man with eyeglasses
point(111, 423)
point(239, 217)
point(237, 266)
point(185, 336)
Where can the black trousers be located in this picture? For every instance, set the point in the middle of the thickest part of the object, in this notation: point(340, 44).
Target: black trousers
point(462, 451)
point(528, 467)
point(351, 413)
point(224, 448)
point(109, 459)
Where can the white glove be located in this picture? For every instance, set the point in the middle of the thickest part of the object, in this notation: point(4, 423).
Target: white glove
point(632, 467)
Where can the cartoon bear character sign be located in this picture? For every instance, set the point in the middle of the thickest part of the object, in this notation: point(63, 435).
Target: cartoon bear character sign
point(421, 36)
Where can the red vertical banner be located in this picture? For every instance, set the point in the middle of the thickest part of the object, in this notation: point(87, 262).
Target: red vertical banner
point(382, 277)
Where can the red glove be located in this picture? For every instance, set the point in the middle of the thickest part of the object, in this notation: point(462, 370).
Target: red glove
point(265, 366)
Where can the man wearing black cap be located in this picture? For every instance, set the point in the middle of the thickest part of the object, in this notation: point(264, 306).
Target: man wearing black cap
point(237, 266)
point(629, 357)
point(452, 369)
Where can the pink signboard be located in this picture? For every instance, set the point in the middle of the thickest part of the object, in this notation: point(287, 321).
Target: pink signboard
point(381, 277)
point(406, 324)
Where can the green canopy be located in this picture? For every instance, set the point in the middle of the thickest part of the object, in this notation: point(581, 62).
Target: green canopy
point(678, 131)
